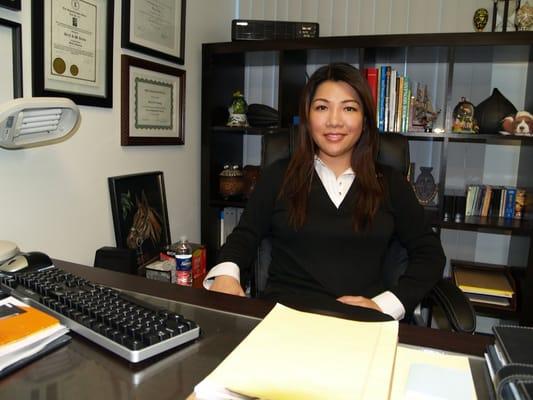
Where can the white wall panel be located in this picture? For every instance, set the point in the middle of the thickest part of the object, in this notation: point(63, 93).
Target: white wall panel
point(353, 17)
point(325, 17)
point(399, 16)
point(339, 25)
point(295, 10)
point(282, 10)
point(424, 16)
point(370, 17)
point(245, 8)
point(382, 16)
point(367, 17)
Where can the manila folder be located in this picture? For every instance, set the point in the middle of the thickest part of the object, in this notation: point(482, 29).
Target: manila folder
point(299, 355)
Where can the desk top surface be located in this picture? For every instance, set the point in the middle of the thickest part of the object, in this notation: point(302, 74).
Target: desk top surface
point(82, 370)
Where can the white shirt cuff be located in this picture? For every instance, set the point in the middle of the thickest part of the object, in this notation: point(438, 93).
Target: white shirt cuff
point(224, 268)
point(390, 304)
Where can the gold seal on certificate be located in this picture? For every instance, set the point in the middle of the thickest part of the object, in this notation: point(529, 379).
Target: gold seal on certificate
point(59, 65)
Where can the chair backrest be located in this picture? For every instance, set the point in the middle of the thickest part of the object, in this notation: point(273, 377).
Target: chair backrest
point(394, 152)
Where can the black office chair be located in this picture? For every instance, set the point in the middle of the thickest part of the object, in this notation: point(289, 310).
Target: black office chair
point(446, 306)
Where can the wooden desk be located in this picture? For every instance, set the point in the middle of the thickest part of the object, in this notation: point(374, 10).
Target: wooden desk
point(82, 370)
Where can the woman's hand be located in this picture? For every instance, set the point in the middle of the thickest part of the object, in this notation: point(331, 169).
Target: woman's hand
point(359, 301)
point(227, 284)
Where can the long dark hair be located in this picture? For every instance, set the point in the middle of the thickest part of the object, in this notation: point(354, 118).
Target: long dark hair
point(299, 176)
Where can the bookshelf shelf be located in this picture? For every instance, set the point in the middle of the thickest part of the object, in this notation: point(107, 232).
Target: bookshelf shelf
point(491, 225)
point(453, 65)
point(249, 130)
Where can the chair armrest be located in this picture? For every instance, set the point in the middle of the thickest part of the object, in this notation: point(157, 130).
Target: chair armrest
point(456, 306)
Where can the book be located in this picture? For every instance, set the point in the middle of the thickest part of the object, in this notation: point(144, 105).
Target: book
point(485, 282)
point(488, 299)
point(372, 78)
point(24, 331)
point(292, 354)
point(510, 197)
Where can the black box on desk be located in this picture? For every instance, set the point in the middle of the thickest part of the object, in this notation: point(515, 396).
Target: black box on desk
point(116, 259)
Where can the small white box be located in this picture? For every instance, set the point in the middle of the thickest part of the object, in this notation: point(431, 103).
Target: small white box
point(161, 271)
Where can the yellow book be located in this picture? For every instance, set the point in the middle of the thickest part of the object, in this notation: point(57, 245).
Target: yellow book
point(298, 355)
point(483, 282)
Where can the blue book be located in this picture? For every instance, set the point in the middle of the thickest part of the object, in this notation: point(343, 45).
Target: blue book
point(510, 203)
point(382, 94)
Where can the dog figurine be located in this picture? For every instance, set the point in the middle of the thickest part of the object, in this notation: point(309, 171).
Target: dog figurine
point(521, 124)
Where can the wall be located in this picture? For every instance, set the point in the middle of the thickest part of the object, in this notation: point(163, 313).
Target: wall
point(365, 17)
point(55, 198)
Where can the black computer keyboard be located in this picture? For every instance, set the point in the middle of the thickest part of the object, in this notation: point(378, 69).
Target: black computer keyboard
point(126, 326)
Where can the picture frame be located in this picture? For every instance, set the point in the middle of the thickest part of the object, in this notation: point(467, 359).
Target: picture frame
point(72, 50)
point(156, 28)
point(153, 103)
point(139, 210)
point(11, 46)
point(11, 4)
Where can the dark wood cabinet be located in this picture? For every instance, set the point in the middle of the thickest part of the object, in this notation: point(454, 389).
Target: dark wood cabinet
point(454, 64)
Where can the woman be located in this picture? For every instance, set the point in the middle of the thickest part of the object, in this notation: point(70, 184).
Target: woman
point(332, 210)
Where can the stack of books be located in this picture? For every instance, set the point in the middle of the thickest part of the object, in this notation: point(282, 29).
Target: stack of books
point(392, 95)
point(26, 334)
point(488, 286)
point(510, 362)
point(495, 201)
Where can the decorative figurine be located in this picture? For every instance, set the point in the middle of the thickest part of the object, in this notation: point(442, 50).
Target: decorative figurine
point(231, 181)
point(463, 117)
point(491, 111)
point(423, 114)
point(481, 17)
point(425, 187)
point(520, 124)
point(237, 110)
point(524, 17)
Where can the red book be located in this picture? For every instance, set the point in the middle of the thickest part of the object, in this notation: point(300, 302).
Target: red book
point(372, 78)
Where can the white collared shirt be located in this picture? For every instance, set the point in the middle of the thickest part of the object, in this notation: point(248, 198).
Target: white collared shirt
point(336, 187)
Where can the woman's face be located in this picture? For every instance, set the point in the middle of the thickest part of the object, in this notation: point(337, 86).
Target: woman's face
point(336, 121)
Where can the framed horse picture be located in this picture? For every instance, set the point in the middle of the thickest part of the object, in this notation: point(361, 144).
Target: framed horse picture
point(140, 217)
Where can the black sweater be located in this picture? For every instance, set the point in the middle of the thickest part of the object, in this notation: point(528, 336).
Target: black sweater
point(325, 256)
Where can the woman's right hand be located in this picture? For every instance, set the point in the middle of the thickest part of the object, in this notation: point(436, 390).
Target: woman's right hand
point(227, 284)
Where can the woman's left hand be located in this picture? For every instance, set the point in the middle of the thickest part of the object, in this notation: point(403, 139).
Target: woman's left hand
point(359, 301)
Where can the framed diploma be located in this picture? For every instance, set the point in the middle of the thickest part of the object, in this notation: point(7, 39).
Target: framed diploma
point(155, 27)
point(13, 4)
point(153, 103)
point(11, 50)
point(72, 44)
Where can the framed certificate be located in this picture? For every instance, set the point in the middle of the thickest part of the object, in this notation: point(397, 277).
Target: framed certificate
point(11, 50)
point(72, 44)
point(13, 4)
point(153, 103)
point(155, 27)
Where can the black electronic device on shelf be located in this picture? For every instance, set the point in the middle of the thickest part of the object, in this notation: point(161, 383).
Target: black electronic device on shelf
point(249, 29)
